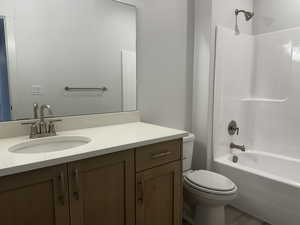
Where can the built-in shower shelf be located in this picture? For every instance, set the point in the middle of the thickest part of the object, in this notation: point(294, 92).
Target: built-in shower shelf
point(265, 100)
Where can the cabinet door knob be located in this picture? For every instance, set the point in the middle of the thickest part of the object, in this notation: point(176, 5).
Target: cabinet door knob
point(76, 192)
point(62, 186)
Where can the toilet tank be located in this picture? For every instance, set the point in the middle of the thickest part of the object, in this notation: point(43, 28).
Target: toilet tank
point(187, 154)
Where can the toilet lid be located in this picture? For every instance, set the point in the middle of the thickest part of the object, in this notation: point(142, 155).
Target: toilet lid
point(210, 180)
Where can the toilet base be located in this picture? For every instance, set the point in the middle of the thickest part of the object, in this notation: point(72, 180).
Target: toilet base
point(205, 215)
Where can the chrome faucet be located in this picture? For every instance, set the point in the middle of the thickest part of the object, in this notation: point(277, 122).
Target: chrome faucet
point(240, 147)
point(41, 128)
point(42, 124)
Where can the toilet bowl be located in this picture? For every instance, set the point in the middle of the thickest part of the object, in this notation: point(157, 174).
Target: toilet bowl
point(205, 192)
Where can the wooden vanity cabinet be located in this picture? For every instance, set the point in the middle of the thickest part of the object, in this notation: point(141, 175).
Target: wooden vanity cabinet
point(35, 198)
point(141, 186)
point(159, 184)
point(102, 190)
point(158, 199)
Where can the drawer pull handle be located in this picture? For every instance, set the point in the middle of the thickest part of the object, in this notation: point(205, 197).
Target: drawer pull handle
point(140, 192)
point(76, 184)
point(160, 155)
point(61, 196)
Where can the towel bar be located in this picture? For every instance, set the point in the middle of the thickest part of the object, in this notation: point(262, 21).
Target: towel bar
point(85, 89)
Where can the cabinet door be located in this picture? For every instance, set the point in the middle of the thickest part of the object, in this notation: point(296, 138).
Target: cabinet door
point(36, 197)
point(158, 195)
point(102, 190)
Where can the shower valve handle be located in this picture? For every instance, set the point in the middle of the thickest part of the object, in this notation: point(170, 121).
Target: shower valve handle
point(233, 128)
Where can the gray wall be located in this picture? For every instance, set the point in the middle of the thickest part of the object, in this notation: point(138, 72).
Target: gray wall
point(164, 69)
point(273, 15)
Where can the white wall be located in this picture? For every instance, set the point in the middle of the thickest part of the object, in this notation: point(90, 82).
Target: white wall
point(272, 107)
point(92, 57)
point(209, 14)
point(274, 15)
point(273, 102)
point(276, 122)
point(223, 14)
point(202, 55)
point(258, 85)
point(164, 80)
point(129, 81)
point(233, 79)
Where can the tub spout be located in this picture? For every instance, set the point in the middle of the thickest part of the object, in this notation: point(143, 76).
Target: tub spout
point(240, 147)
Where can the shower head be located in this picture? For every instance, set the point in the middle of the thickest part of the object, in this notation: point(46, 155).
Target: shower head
point(248, 15)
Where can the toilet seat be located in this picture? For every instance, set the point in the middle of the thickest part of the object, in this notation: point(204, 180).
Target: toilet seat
point(210, 182)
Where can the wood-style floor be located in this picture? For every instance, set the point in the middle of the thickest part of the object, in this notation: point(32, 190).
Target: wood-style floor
point(236, 217)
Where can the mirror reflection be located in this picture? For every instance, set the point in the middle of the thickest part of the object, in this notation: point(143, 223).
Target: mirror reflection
point(77, 56)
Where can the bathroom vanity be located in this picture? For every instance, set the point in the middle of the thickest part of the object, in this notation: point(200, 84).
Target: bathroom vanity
point(134, 178)
point(73, 74)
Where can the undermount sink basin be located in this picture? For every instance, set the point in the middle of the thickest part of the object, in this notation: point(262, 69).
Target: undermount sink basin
point(50, 144)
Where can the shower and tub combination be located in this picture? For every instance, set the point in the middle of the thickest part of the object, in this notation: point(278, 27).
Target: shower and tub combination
point(257, 86)
point(269, 185)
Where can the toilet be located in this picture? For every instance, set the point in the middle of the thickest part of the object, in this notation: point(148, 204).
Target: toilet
point(205, 192)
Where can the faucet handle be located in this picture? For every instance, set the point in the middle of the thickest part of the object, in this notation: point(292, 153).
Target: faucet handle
point(51, 126)
point(233, 128)
point(235, 146)
point(29, 123)
point(55, 121)
point(34, 130)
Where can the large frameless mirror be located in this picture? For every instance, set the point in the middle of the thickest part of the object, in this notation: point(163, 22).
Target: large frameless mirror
point(78, 56)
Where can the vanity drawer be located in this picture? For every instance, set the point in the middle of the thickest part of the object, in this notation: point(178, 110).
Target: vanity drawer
point(157, 154)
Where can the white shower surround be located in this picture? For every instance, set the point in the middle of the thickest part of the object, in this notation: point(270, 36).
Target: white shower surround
point(257, 84)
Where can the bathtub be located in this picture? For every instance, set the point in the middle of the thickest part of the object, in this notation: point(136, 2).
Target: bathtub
point(269, 185)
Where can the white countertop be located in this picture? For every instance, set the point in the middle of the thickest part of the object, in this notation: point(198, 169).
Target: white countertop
point(105, 140)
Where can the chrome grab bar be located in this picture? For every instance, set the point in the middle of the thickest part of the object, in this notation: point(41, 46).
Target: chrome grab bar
point(85, 89)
